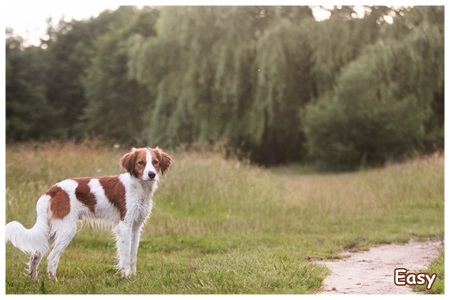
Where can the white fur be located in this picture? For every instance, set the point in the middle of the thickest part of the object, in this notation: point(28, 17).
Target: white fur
point(34, 239)
point(59, 232)
point(149, 166)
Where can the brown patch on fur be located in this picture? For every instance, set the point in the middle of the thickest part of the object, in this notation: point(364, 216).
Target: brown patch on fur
point(127, 161)
point(115, 192)
point(84, 195)
point(134, 162)
point(140, 162)
point(59, 202)
point(161, 160)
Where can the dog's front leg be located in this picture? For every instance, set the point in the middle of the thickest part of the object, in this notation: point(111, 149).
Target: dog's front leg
point(123, 241)
point(134, 246)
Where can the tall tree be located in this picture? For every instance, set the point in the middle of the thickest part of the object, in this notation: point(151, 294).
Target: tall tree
point(381, 102)
point(69, 53)
point(211, 77)
point(27, 111)
point(116, 103)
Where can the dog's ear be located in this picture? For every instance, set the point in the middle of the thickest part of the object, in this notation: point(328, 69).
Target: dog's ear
point(127, 161)
point(165, 161)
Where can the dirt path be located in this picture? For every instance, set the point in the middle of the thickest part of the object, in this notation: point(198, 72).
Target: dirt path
point(372, 272)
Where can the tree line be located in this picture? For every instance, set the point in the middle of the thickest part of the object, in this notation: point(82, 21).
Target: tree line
point(271, 84)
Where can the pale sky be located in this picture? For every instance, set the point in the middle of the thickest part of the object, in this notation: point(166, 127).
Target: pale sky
point(29, 21)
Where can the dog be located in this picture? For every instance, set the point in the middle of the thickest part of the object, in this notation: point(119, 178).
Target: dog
point(125, 200)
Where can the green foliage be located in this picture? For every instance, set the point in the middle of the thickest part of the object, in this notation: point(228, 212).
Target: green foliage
point(208, 91)
point(339, 40)
point(347, 134)
point(380, 104)
point(271, 84)
point(69, 50)
point(108, 88)
point(283, 86)
point(27, 108)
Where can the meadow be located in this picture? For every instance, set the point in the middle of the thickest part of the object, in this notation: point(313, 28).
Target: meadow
point(221, 226)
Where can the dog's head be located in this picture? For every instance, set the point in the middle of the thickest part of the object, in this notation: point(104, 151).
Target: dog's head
point(146, 163)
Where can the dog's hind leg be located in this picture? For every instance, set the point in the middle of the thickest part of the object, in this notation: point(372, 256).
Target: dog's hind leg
point(33, 265)
point(62, 239)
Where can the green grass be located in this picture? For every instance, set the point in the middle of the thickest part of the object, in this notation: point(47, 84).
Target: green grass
point(225, 227)
point(437, 267)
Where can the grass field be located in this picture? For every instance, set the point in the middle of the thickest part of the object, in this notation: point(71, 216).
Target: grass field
point(223, 226)
point(436, 266)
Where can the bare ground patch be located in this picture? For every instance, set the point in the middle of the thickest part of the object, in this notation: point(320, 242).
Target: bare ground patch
point(372, 272)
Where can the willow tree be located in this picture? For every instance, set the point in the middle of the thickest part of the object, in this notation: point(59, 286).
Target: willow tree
point(283, 86)
point(381, 102)
point(209, 68)
point(240, 75)
point(340, 39)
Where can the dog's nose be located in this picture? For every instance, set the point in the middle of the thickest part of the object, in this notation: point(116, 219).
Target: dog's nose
point(151, 175)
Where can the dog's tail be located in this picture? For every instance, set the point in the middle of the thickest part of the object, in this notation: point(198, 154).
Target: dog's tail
point(35, 239)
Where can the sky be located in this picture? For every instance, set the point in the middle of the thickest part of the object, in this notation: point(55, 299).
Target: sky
point(29, 21)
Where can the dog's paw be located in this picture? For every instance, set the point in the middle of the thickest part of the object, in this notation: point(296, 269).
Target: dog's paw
point(52, 276)
point(33, 275)
point(125, 272)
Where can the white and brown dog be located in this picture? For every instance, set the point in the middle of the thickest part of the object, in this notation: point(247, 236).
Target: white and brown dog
point(125, 200)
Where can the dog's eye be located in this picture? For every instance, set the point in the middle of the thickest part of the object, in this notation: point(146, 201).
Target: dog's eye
point(155, 162)
point(141, 163)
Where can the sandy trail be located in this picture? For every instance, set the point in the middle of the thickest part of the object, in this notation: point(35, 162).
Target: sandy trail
point(372, 272)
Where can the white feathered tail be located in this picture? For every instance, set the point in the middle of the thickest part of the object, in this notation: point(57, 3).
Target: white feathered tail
point(35, 239)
